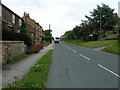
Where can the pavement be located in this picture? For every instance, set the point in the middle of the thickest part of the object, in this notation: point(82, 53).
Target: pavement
point(15, 72)
point(80, 67)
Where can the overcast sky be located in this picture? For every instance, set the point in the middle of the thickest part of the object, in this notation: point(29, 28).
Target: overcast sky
point(63, 15)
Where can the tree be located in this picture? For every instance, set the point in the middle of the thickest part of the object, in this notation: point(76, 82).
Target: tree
point(70, 35)
point(103, 17)
point(48, 36)
point(23, 28)
point(57, 38)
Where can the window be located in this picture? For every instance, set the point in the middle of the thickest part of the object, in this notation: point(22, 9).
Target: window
point(13, 18)
point(20, 22)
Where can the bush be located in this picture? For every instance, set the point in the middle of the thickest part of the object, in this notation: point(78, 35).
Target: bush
point(30, 51)
point(36, 47)
point(12, 36)
point(115, 38)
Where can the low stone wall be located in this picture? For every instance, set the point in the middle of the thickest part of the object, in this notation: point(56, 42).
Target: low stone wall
point(10, 49)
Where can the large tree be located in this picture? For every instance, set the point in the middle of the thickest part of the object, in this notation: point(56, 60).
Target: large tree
point(103, 17)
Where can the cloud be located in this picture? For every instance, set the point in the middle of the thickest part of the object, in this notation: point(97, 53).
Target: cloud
point(63, 15)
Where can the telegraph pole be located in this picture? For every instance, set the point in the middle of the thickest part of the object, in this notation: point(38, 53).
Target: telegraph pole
point(100, 27)
point(49, 26)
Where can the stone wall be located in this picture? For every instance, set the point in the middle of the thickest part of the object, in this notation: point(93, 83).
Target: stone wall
point(10, 49)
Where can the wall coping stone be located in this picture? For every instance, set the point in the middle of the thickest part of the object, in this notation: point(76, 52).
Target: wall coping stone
point(2, 42)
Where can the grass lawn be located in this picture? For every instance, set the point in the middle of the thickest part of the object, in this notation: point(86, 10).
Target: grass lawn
point(92, 44)
point(96, 44)
point(37, 76)
point(73, 41)
point(18, 58)
point(115, 48)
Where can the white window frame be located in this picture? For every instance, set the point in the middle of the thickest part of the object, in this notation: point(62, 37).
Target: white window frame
point(13, 18)
point(20, 22)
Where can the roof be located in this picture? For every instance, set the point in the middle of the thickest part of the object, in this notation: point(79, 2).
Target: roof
point(11, 11)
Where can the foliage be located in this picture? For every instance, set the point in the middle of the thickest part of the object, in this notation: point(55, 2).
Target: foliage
point(115, 38)
point(36, 47)
point(105, 16)
point(12, 36)
point(92, 44)
point(16, 59)
point(23, 37)
point(43, 42)
point(23, 28)
point(57, 38)
point(115, 48)
point(30, 51)
point(89, 30)
point(48, 36)
point(69, 35)
point(7, 35)
point(37, 76)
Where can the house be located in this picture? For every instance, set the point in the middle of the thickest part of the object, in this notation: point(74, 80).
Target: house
point(10, 20)
point(0, 20)
point(30, 23)
point(33, 28)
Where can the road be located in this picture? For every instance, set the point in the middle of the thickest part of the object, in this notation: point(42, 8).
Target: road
point(80, 67)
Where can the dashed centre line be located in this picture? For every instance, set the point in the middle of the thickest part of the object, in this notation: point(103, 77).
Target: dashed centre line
point(74, 51)
point(85, 57)
point(108, 70)
point(97, 64)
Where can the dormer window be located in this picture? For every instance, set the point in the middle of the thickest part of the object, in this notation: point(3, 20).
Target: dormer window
point(13, 18)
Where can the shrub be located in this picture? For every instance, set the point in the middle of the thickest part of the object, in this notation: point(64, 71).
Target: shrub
point(12, 36)
point(30, 51)
point(37, 47)
point(115, 38)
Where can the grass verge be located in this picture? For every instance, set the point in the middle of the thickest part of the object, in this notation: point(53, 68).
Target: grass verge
point(37, 76)
point(92, 44)
point(73, 41)
point(115, 48)
point(18, 58)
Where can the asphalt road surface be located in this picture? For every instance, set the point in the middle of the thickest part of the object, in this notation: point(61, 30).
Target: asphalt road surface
point(80, 67)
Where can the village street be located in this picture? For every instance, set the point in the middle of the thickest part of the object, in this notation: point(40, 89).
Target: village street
point(80, 67)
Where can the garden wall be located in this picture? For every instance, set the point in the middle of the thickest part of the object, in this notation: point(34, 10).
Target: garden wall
point(10, 49)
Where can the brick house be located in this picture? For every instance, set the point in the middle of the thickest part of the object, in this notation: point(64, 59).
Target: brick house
point(30, 23)
point(10, 20)
point(0, 21)
point(33, 28)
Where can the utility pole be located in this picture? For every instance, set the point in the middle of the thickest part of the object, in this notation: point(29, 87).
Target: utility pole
point(100, 27)
point(49, 26)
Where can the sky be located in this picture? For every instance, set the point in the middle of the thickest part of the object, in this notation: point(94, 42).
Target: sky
point(63, 15)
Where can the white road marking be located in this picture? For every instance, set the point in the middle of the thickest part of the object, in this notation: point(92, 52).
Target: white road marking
point(85, 57)
point(68, 47)
point(74, 51)
point(108, 70)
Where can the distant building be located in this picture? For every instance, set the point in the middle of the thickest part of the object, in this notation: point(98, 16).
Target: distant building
point(62, 37)
point(10, 20)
